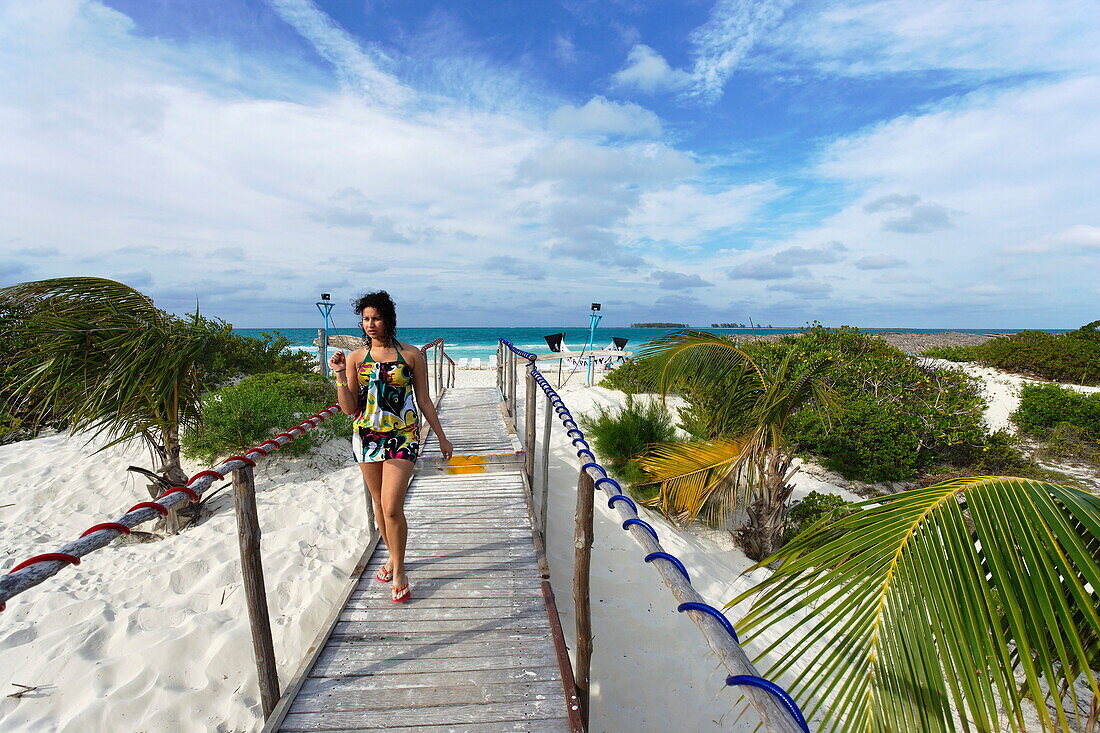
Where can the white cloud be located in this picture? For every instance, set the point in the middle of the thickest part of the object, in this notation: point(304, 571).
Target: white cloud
point(647, 71)
point(599, 116)
point(884, 36)
point(722, 43)
point(669, 280)
point(355, 67)
point(1080, 238)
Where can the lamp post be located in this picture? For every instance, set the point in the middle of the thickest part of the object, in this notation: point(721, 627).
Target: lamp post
point(593, 321)
point(325, 306)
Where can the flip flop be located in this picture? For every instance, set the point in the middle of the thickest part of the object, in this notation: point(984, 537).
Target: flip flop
point(402, 594)
point(383, 575)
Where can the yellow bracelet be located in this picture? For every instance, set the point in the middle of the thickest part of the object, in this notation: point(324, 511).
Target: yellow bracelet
point(341, 384)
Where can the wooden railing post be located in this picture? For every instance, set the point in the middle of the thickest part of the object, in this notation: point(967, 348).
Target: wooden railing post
point(248, 535)
point(582, 561)
point(546, 424)
point(439, 369)
point(529, 429)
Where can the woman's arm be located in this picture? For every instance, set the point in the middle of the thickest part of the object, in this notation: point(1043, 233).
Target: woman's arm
point(424, 401)
point(347, 381)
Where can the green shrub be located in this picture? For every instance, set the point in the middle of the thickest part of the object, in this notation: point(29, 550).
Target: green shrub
point(239, 416)
point(233, 355)
point(621, 435)
point(892, 416)
point(1044, 406)
point(1069, 357)
point(632, 377)
point(868, 439)
point(1067, 441)
point(813, 508)
point(1001, 456)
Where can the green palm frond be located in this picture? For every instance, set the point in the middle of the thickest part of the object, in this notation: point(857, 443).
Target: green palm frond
point(691, 473)
point(939, 607)
point(103, 356)
point(696, 354)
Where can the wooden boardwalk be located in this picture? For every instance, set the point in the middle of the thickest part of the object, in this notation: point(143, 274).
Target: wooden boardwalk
point(474, 649)
point(472, 420)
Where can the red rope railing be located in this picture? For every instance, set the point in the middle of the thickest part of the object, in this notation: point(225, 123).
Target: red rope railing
point(38, 568)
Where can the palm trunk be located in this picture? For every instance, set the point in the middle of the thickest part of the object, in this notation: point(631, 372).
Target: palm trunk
point(766, 522)
point(172, 471)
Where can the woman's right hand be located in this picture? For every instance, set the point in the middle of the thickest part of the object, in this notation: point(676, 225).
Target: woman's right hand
point(336, 362)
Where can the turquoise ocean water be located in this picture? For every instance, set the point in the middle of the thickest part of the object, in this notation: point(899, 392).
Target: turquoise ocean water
point(481, 342)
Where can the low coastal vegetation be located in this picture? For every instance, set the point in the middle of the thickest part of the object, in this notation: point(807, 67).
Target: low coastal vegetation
point(1068, 357)
point(240, 415)
point(622, 435)
point(909, 611)
point(94, 355)
point(891, 417)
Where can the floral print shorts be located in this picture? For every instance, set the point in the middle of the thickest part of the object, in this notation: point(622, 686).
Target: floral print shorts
point(371, 446)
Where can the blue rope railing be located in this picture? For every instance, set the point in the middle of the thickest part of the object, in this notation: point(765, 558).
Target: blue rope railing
point(617, 499)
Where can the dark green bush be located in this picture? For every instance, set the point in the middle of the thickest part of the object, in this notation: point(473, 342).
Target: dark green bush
point(1001, 456)
point(1066, 441)
point(813, 508)
point(1069, 357)
point(233, 355)
point(241, 415)
point(1044, 406)
point(892, 416)
point(621, 435)
point(632, 377)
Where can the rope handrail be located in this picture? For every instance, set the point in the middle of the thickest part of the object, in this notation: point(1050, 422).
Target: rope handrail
point(673, 572)
point(38, 568)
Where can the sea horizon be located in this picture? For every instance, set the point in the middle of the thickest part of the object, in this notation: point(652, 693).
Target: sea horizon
point(480, 341)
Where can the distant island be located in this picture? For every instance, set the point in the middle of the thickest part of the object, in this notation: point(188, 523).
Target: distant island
point(740, 325)
point(659, 325)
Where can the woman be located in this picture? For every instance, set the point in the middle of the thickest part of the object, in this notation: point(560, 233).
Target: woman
point(381, 385)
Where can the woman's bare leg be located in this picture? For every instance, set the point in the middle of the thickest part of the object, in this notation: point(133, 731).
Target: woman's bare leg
point(395, 482)
point(372, 477)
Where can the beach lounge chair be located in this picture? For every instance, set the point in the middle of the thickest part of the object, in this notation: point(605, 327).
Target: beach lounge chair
point(492, 361)
point(463, 362)
point(475, 363)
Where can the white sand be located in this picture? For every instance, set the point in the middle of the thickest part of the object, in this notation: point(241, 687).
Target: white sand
point(140, 638)
point(1001, 390)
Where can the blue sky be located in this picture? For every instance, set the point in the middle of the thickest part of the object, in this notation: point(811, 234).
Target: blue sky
point(877, 163)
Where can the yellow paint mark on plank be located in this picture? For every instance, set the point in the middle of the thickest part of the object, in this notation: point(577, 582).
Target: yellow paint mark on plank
point(466, 464)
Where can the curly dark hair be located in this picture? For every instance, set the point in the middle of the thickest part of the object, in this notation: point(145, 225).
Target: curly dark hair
point(382, 302)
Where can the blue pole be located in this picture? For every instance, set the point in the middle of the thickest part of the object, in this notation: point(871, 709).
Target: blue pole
point(593, 322)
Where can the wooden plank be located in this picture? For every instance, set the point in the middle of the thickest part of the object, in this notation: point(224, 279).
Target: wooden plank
point(507, 648)
point(548, 725)
point(347, 667)
point(440, 678)
point(497, 608)
point(348, 699)
point(449, 714)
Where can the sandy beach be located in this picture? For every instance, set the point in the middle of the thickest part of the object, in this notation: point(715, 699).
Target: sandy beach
point(153, 636)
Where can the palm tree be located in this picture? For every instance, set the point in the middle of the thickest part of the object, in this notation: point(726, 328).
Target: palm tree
point(747, 460)
point(941, 608)
point(100, 355)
